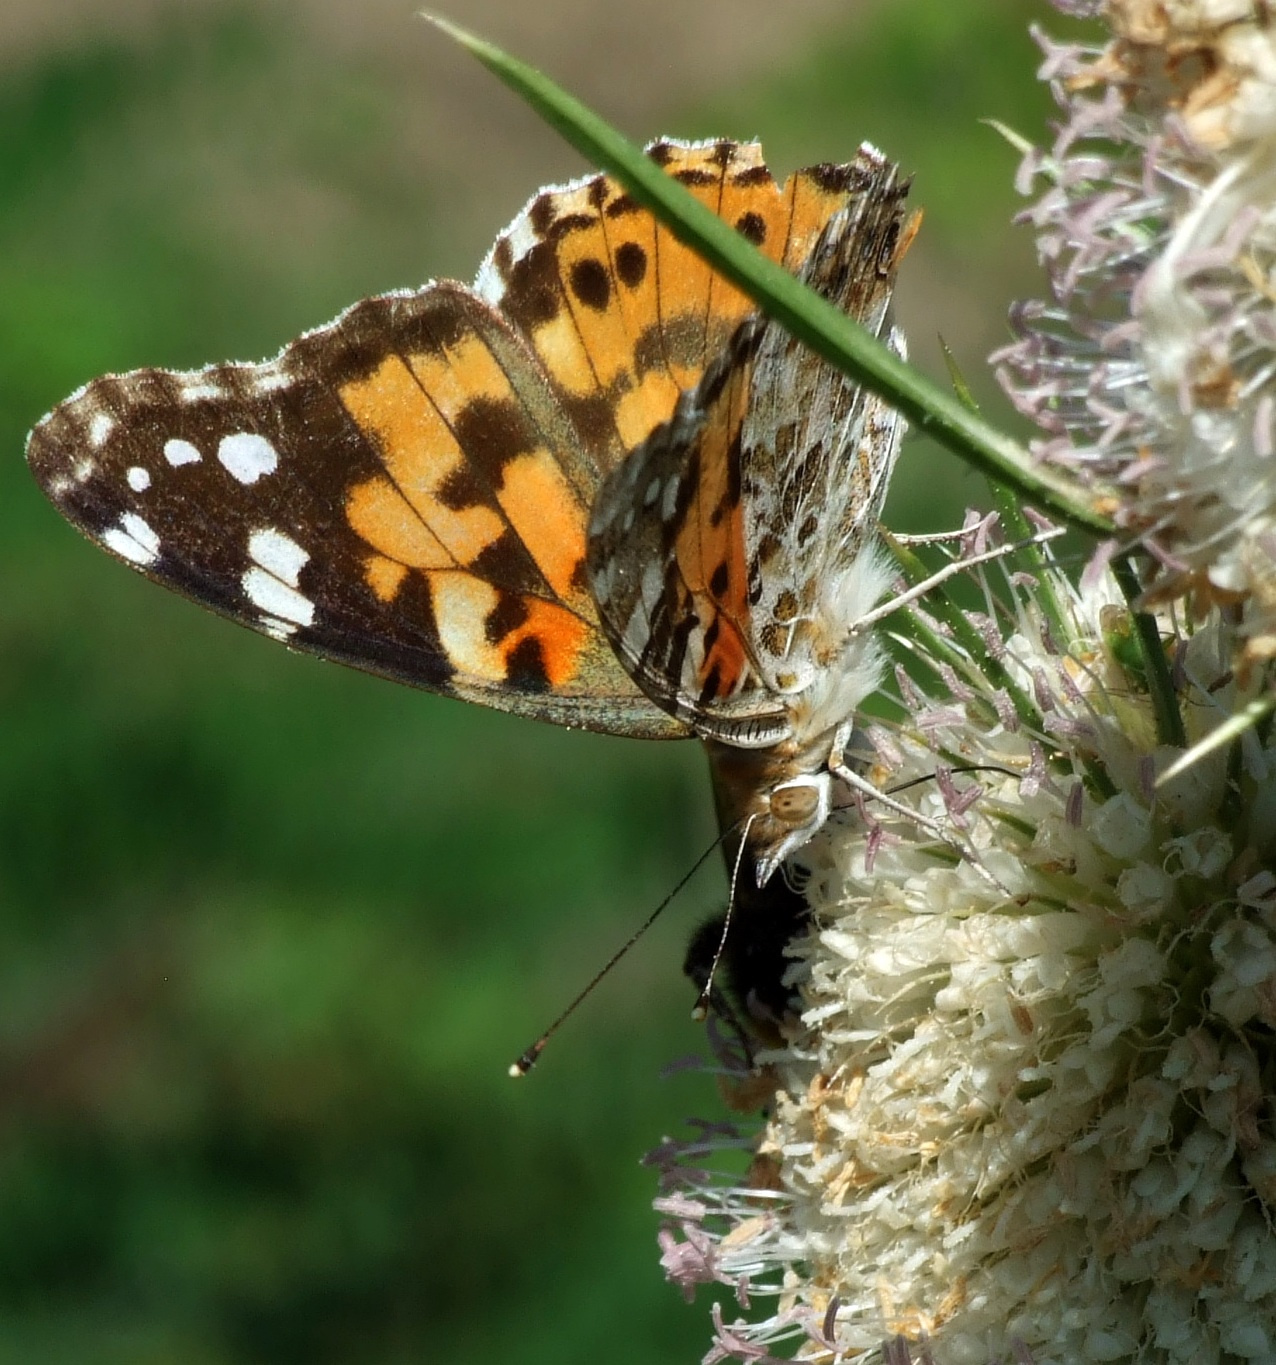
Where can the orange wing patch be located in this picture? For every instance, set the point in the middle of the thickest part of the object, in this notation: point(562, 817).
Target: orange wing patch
point(489, 634)
point(622, 315)
point(466, 468)
point(420, 453)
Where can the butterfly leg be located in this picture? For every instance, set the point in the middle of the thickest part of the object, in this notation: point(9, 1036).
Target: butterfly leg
point(838, 766)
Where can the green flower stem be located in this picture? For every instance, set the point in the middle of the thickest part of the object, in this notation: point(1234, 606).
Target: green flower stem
point(1017, 527)
point(814, 320)
point(948, 612)
point(1165, 707)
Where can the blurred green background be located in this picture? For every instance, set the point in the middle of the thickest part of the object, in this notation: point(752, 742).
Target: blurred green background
point(270, 931)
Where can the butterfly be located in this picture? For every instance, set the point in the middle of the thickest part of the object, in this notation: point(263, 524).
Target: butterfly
point(595, 488)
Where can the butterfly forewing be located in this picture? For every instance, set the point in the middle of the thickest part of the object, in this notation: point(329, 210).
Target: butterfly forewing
point(398, 490)
point(756, 497)
point(817, 450)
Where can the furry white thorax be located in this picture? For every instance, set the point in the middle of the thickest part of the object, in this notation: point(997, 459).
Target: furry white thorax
point(848, 665)
point(844, 667)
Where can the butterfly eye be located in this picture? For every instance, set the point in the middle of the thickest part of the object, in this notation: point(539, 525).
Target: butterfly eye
point(795, 804)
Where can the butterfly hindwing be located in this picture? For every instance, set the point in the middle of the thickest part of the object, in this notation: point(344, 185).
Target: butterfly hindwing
point(625, 317)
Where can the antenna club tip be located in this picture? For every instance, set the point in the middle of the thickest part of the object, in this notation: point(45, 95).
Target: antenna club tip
point(528, 1059)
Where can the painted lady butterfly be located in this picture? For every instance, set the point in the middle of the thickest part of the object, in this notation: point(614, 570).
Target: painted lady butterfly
point(409, 489)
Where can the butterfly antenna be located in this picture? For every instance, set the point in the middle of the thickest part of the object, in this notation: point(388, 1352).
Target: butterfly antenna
point(963, 768)
point(532, 1055)
point(701, 1007)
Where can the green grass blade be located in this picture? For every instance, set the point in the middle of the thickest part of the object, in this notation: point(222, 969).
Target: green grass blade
point(812, 319)
point(1165, 706)
point(1250, 715)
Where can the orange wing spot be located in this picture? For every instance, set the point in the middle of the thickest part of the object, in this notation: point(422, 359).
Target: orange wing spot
point(382, 516)
point(812, 207)
point(558, 344)
point(462, 605)
point(561, 636)
point(419, 452)
point(467, 370)
point(384, 576)
point(906, 237)
point(640, 411)
point(546, 516)
point(727, 659)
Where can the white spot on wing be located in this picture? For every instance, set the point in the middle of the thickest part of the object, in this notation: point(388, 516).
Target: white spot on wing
point(488, 284)
point(269, 379)
point(197, 389)
point(271, 586)
point(181, 452)
point(275, 599)
point(277, 629)
point(133, 539)
point(651, 587)
point(101, 424)
point(669, 504)
point(84, 469)
point(139, 479)
point(278, 554)
point(652, 493)
point(247, 456)
point(522, 236)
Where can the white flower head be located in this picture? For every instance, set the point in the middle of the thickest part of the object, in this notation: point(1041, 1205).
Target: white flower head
point(1152, 368)
point(1027, 1112)
point(1028, 1108)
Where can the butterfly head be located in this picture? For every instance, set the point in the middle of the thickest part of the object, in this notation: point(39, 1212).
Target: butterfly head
point(794, 812)
point(781, 796)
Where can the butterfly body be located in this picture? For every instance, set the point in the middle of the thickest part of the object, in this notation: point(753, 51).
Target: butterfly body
point(595, 488)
